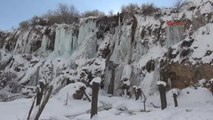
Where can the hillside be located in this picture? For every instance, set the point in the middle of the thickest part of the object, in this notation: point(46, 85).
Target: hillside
point(127, 51)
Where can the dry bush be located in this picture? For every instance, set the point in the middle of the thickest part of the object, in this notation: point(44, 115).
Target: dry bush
point(38, 21)
point(95, 13)
point(179, 4)
point(64, 14)
point(24, 24)
point(131, 8)
point(149, 9)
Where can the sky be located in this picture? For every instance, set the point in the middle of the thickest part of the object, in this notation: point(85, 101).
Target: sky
point(12, 12)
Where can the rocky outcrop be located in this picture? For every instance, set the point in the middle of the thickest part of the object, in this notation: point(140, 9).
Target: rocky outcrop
point(184, 74)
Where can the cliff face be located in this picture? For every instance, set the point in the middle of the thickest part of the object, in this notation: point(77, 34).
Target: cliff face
point(130, 49)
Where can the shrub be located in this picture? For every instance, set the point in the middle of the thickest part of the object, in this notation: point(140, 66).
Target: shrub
point(38, 21)
point(149, 9)
point(95, 13)
point(131, 8)
point(24, 24)
point(64, 14)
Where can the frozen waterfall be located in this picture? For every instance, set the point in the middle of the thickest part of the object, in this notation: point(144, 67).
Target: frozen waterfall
point(174, 35)
point(65, 41)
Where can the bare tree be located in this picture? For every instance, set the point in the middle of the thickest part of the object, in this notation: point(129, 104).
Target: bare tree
point(63, 14)
point(178, 4)
point(67, 13)
point(148, 9)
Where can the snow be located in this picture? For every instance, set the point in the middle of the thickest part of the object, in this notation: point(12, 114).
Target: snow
point(126, 72)
point(205, 6)
point(15, 110)
point(199, 48)
point(4, 57)
point(161, 83)
point(70, 90)
point(175, 91)
point(153, 53)
point(29, 73)
point(211, 81)
point(95, 80)
point(196, 104)
point(204, 42)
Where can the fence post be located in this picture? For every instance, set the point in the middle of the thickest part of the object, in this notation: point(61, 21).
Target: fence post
point(175, 99)
point(94, 104)
point(162, 90)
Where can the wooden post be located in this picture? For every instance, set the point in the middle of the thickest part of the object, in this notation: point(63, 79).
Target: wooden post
point(66, 103)
point(162, 90)
point(46, 98)
point(212, 88)
point(211, 84)
point(87, 96)
point(31, 108)
point(144, 102)
point(94, 104)
point(136, 93)
point(39, 95)
point(111, 85)
point(175, 99)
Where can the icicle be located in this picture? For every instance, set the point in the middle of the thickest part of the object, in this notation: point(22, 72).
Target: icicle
point(44, 44)
point(65, 41)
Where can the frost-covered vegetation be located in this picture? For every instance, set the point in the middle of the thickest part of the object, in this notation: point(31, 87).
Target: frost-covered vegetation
point(48, 65)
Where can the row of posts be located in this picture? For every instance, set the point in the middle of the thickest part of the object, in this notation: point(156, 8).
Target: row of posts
point(162, 90)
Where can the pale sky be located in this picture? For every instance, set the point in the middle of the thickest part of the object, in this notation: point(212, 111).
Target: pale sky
point(12, 12)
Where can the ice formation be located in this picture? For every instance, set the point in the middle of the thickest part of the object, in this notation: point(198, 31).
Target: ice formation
point(65, 41)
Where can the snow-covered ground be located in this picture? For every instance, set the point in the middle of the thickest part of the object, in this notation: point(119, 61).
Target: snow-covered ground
point(194, 104)
point(80, 56)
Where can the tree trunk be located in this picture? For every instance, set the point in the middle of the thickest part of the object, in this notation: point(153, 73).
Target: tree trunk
point(175, 99)
point(94, 104)
point(162, 90)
